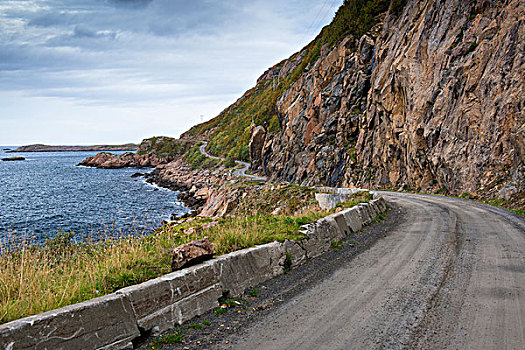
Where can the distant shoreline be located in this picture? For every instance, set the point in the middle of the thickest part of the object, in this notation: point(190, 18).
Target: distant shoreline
point(95, 148)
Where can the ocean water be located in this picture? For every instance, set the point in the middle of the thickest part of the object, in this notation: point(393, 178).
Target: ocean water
point(48, 193)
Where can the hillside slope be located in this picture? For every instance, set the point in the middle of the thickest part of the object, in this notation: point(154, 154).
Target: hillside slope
point(427, 95)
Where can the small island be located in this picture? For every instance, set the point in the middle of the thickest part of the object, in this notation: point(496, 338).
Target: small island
point(95, 148)
point(12, 159)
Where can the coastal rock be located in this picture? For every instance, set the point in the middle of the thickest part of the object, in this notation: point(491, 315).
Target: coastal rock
point(151, 152)
point(194, 185)
point(221, 202)
point(110, 161)
point(13, 159)
point(106, 160)
point(203, 193)
point(192, 253)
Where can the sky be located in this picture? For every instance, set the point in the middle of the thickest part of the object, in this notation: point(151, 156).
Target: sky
point(116, 71)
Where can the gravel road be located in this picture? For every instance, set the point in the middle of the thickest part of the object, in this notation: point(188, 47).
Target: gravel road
point(450, 276)
point(238, 172)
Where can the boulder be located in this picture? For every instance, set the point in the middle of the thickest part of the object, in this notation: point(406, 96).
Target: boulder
point(203, 193)
point(191, 253)
point(256, 145)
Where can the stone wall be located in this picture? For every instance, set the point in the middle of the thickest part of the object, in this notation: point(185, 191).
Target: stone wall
point(115, 320)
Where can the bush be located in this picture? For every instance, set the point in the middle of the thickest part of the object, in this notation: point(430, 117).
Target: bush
point(229, 162)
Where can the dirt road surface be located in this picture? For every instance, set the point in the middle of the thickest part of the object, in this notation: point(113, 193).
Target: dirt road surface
point(452, 276)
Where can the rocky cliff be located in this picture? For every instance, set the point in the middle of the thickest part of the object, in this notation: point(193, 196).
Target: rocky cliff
point(431, 99)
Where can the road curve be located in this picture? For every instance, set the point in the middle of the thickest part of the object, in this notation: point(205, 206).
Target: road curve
point(237, 172)
point(451, 276)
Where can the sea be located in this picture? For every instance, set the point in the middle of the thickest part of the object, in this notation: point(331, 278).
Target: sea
point(48, 193)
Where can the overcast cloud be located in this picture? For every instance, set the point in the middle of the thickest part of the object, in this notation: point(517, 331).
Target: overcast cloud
point(111, 71)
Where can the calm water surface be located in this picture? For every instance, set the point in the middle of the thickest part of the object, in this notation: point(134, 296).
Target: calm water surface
point(47, 193)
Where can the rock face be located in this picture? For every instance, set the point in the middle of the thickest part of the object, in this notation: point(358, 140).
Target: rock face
point(430, 99)
point(446, 103)
point(320, 116)
point(191, 253)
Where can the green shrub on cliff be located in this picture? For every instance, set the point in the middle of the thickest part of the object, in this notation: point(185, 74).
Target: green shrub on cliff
point(229, 162)
point(197, 160)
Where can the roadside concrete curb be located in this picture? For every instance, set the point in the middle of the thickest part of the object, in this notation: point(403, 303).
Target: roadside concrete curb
point(107, 322)
point(115, 320)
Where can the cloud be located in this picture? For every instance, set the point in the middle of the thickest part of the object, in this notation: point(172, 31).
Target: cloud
point(114, 53)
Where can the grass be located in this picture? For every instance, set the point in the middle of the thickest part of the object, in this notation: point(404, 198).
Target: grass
point(195, 326)
point(500, 203)
point(220, 311)
point(164, 147)
point(64, 271)
point(172, 338)
point(254, 292)
point(336, 245)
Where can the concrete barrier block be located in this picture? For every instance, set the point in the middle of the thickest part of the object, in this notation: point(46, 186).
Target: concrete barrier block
point(380, 205)
point(364, 214)
point(371, 212)
point(153, 301)
point(297, 253)
point(381, 202)
point(277, 257)
point(373, 209)
point(353, 219)
point(324, 229)
point(341, 222)
point(192, 279)
point(245, 268)
point(328, 201)
point(197, 304)
point(319, 238)
point(103, 323)
point(337, 232)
